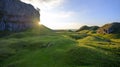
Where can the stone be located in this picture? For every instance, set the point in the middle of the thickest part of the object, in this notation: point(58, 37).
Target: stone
point(17, 16)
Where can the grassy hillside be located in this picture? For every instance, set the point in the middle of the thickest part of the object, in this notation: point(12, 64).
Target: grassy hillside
point(45, 48)
point(88, 28)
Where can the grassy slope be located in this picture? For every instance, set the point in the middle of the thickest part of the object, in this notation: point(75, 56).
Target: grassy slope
point(39, 48)
point(42, 57)
point(98, 51)
point(48, 49)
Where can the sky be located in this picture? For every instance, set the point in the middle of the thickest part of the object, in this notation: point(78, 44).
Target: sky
point(72, 14)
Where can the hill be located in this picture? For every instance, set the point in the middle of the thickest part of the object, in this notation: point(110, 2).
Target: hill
point(35, 31)
point(113, 28)
point(58, 50)
point(88, 28)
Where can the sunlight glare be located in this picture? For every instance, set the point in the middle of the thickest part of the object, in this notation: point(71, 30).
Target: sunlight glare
point(39, 23)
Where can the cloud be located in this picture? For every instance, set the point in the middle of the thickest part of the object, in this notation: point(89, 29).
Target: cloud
point(44, 3)
point(61, 14)
point(52, 18)
point(48, 17)
point(63, 25)
point(48, 13)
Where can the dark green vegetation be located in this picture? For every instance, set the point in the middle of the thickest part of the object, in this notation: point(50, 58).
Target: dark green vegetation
point(88, 28)
point(43, 47)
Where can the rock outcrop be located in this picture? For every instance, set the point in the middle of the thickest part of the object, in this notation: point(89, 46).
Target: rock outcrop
point(17, 16)
point(109, 28)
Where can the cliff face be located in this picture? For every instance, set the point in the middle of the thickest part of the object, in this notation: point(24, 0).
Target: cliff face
point(17, 16)
point(109, 28)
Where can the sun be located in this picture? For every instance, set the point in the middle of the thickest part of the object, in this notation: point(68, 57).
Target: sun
point(39, 23)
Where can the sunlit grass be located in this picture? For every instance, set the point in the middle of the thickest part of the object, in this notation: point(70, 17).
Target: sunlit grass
point(64, 49)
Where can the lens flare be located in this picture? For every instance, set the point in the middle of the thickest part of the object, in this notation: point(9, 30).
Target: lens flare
point(39, 23)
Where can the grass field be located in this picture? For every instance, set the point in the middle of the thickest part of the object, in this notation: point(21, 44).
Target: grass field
point(63, 49)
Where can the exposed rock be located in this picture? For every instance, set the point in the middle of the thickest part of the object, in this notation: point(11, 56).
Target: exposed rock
point(109, 28)
point(17, 16)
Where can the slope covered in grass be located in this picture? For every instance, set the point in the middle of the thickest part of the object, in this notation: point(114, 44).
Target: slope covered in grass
point(36, 31)
point(34, 48)
point(40, 51)
point(91, 57)
point(95, 50)
point(63, 49)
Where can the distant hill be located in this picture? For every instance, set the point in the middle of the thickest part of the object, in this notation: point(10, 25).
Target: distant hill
point(109, 28)
point(85, 27)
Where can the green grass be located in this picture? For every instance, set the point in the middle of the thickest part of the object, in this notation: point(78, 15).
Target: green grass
point(40, 48)
point(36, 51)
point(90, 56)
point(77, 36)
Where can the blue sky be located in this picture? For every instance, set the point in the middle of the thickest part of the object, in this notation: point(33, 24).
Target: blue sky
point(93, 12)
point(67, 14)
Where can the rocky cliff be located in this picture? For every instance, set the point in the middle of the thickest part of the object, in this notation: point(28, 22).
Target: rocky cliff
point(17, 16)
point(109, 28)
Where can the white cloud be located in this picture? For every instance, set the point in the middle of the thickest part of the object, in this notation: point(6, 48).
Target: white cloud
point(60, 14)
point(47, 9)
point(43, 4)
point(63, 25)
point(57, 17)
point(50, 17)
